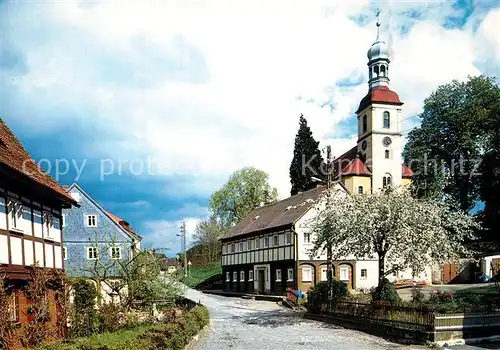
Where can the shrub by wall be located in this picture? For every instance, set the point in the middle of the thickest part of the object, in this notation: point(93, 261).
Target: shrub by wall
point(172, 335)
point(386, 292)
point(318, 294)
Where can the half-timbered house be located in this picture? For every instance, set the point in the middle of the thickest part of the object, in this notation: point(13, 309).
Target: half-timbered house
point(30, 223)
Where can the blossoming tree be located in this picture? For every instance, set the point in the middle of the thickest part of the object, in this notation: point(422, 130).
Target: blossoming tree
point(404, 232)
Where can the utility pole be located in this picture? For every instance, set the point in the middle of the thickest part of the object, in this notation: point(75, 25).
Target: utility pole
point(183, 237)
point(328, 244)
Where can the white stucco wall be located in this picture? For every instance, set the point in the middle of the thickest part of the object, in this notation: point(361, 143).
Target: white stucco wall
point(371, 279)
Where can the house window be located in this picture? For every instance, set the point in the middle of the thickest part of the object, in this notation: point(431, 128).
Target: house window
point(250, 244)
point(92, 253)
point(278, 275)
point(387, 180)
point(91, 220)
point(289, 276)
point(233, 248)
point(387, 120)
point(242, 276)
point(364, 274)
point(12, 307)
point(235, 276)
point(306, 274)
point(250, 275)
point(288, 238)
point(395, 271)
point(387, 154)
point(276, 241)
point(365, 123)
point(228, 275)
point(266, 242)
point(307, 237)
point(65, 253)
point(360, 189)
point(115, 253)
point(324, 275)
point(15, 209)
point(241, 246)
point(63, 220)
point(257, 243)
point(224, 249)
point(344, 273)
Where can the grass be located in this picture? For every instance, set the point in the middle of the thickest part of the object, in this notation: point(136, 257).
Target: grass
point(198, 274)
point(104, 339)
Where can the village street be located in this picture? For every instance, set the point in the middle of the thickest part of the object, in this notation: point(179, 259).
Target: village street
point(237, 323)
point(245, 324)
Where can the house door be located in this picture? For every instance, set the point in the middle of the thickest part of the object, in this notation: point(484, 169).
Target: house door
point(495, 267)
point(262, 280)
point(449, 272)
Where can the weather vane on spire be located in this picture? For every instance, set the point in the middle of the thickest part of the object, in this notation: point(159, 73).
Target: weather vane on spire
point(378, 23)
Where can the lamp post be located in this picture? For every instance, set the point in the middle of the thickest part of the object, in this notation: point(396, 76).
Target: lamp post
point(189, 268)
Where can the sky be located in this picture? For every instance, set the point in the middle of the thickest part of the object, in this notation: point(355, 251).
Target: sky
point(151, 105)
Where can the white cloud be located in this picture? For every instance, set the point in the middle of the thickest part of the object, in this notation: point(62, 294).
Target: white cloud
point(258, 59)
point(164, 233)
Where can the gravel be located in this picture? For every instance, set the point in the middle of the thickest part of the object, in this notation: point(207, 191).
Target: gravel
point(247, 324)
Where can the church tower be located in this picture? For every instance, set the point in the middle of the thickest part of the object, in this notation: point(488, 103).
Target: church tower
point(380, 140)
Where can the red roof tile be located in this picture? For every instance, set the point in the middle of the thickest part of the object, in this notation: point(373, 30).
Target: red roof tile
point(407, 172)
point(124, 224)
point(14, 156)
point(380, 94)
point(355, 167)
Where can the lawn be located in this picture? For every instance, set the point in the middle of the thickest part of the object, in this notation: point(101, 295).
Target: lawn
point(198, 274)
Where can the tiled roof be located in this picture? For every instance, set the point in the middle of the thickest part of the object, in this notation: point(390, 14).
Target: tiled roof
point(14, 156)
point(342, 161)
point(380, 94)
point(355, 167)
point(278, 214)
point(124, 224)
point(406, 172)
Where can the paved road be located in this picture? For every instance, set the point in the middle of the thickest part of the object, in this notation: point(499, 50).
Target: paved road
point(245, 324)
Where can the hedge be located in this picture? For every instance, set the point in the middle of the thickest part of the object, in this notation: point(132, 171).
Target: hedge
point(173, 335)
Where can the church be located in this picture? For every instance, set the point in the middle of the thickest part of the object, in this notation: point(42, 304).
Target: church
point(268, 251)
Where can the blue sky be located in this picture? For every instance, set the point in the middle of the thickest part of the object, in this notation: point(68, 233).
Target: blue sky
point(202, 88)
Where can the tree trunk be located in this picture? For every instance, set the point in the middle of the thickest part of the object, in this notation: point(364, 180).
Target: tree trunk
point(381, 267)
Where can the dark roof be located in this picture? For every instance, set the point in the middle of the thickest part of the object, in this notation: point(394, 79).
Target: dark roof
point(278, 214)
point(380, 94)
point(342, 161)
point(14, 156)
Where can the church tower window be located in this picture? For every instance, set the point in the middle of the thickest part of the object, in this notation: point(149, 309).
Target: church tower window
point(387, 180)
point(387, 120)
point(387, 154)
point(360, 189)
point(365, 123)
point(382, 71)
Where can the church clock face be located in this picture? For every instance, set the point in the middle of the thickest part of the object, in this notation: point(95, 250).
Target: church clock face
point(386, 141)
point(364, 144)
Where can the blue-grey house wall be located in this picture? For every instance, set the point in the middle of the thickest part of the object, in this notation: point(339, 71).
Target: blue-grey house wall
point(77, 237)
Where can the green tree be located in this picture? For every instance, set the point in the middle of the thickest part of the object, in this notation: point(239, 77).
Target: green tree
point(490, 182)
point(207, 236)
point(446, 150)
point(307, 161)
point(245, 189)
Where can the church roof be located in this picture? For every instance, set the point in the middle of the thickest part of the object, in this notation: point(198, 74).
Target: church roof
point(380, 94)
point(281, 214)
point(343, 160)
point(407, 172)
point(355, 167)
point(15, 157)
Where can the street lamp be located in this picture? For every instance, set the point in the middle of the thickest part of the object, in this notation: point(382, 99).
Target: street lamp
point(189, 268)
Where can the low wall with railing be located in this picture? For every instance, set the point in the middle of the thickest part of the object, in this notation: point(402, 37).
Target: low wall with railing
point(409, 324)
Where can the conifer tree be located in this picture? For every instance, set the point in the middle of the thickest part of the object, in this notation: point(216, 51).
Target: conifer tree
point(307, 161)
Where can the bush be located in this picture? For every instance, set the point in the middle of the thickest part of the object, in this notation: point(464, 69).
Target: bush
point(417, 297)
point(318, 294)
point(83, 315)
point(386, 292)
point(173, 335)
point(110, 318)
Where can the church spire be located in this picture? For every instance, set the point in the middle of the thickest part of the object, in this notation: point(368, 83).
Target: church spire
point(378, 61)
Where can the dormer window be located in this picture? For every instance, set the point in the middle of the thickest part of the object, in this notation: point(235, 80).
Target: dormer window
point(387, 120)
